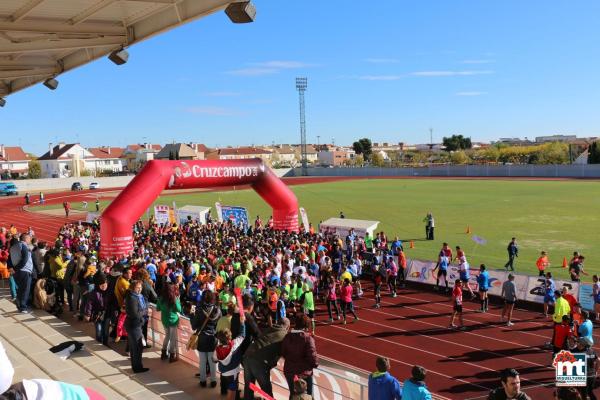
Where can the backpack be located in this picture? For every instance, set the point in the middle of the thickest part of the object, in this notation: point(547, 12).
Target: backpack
point(44, 294)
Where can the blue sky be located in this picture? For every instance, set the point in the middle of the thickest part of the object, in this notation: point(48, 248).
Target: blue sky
point(388, 70)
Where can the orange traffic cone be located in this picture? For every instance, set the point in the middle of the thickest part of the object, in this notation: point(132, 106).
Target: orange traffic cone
point(468, 230)
point(412, 244)
point(564, 262)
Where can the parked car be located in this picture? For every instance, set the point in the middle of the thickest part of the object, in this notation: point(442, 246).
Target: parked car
point(8, 189)
point(76, 186)
point(94, 185)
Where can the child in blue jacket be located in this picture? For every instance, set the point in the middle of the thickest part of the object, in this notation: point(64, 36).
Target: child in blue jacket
point(382, 385)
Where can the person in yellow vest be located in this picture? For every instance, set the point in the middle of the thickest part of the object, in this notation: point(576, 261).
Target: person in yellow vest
point(561, 307)
point(122, 286)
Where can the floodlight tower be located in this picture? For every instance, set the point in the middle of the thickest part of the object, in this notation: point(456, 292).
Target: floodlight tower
point(301, 84)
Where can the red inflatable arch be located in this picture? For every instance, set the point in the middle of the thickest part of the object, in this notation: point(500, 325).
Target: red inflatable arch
point(117, 221)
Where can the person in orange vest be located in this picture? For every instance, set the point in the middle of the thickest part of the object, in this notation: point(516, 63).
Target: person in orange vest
point(542, 263)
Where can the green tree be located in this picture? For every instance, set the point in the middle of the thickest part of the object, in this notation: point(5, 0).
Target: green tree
point(457, 142)
point(35, 170)
point(359, 161)
point(594, 153)
point(377, 160)
point(363, 146)
point(459, 157)
point(551, 153)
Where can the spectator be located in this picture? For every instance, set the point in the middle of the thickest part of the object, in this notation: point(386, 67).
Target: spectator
point(511, 387)
point(262, 356)
point(170, 307)
point(586, 327)
point(205, 322)
point(137, 312)
point(561, 308)
point(229, 355)
point(300, 354)
point(414, 388)
point(300, 389)
point(96, 307)
point(382, 385)
point(21, 264)
point(584, 345)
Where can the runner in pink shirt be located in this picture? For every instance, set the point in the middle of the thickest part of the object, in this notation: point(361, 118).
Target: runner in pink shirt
point(346, 300)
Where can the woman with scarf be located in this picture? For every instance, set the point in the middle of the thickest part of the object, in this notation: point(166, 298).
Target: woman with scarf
point(136, 308)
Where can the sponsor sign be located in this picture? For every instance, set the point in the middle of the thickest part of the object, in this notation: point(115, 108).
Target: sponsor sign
point(304, 219)
point(571, 368)
point(537, 288)
point(237, 215)
point(161, 214)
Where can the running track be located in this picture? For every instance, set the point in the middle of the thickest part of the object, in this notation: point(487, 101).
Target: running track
point(409, 329)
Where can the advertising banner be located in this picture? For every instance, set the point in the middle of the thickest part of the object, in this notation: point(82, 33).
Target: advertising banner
point(304, 219)
point(161, 214)
point(219, 211)
point(522, 284)
point(586, 296)
point(237, 215)
point(537, 288)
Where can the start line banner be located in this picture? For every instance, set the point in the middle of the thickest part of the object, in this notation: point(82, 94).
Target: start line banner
point(529, 288)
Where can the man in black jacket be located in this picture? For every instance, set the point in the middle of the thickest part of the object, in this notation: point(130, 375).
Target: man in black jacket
point(137, 310)
point(263, 355)
point(513, 251)
point(511, 387)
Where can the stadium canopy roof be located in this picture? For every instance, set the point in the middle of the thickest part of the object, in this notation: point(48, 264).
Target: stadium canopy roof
point(40, 39)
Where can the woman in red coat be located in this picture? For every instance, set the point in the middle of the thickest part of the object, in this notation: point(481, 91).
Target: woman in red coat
point(300, 354)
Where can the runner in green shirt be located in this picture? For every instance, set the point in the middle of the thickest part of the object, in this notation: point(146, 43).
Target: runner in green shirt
point(308, 304)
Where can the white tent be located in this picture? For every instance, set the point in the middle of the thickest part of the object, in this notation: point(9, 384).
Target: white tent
point(342, 226)
point(195, 212)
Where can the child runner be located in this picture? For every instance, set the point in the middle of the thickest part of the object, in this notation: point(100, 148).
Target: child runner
point(346, 300)
point(457, 301)
point(549, 288)
point(465, 275)
point(308, 304)
point(442, 264)
point(377, 280)
point(542, 263)
point(229, 356)
point(331, 298)
point(509, 294)
point(483, 281)
point(392, 275)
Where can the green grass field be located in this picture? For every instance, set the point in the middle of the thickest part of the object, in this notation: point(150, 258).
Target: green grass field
point(557, 216)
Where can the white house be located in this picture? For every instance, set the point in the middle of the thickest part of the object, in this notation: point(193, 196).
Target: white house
point(70, 160)
point(136, 156)
point(13, 160)
point(109, 159)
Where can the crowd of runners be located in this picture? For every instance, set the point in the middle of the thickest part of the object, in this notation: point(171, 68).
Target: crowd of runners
point(241, 287)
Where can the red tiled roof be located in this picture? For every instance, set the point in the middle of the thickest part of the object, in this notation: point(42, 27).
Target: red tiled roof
point(243, 151)
point(102, 152)
point(135, 147)
point(14, 154)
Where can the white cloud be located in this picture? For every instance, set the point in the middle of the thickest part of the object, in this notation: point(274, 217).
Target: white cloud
point(211, 110)
point(382, 60)
point(478, 61)
point(380, 77)
point(470, 93)
point(450, 73)
point(269, 67)
point(282, 64)
point(253, 71)
point(222, 94)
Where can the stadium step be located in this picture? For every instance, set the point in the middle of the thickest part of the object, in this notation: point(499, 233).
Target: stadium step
point(27, 338)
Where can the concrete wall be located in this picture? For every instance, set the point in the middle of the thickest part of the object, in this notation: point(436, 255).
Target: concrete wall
point(36, 185)
point(546, 171)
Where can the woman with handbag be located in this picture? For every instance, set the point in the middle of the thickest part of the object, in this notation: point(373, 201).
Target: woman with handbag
point(300, 354)
point(204, 323)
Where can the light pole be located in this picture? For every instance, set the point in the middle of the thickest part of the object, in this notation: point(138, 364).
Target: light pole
point(301, 84)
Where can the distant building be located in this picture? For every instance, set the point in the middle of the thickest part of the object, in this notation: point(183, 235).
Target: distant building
point(176, 151)
point(71, 160)
point(335, 156)
point(109, 158)
point(200, 150)
point(136, 156)
point(237, 153)
point(556, 138)
point(13, 160)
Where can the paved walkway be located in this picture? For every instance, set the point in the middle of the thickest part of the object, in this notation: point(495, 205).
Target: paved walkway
point(27, 338)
